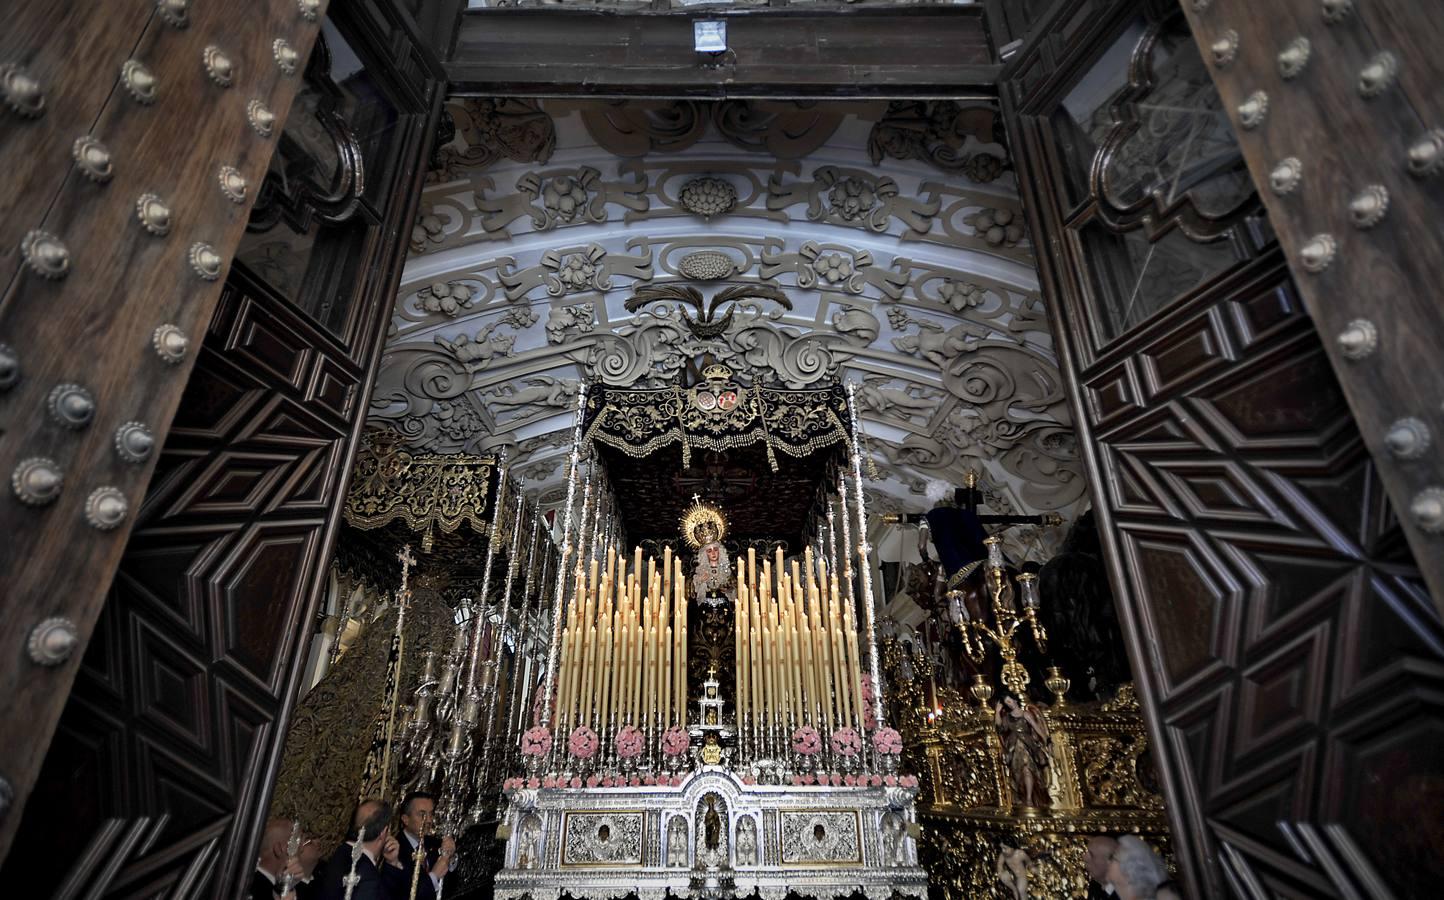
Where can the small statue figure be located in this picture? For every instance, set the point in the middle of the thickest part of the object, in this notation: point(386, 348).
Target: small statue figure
point(1025, 750)
point(677, 842)
point(894, 840)
point(1012, 869)
point(527, 844)
point(746, 841)
point(712, 825)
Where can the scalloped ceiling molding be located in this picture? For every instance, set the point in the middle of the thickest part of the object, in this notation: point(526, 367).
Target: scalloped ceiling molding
point(902, 273)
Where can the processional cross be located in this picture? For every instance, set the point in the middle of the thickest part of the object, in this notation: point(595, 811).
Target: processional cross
point(403, 602)
point(407, 561)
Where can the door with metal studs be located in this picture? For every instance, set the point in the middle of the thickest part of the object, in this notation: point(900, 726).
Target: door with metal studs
point(1242, 206)
point(206, 210)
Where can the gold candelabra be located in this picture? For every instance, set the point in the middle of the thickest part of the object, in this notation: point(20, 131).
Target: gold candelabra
point(1009, 616)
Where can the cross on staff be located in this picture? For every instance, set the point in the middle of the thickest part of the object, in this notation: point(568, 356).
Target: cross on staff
point(407, 561)
point(293, 854)
point(969, 497)
point(403, 600)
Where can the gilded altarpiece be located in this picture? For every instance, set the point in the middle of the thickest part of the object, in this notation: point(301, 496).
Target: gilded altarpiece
point(1100, 783)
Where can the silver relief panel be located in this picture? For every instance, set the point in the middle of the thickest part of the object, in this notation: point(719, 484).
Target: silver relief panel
point(821, 837)
point(602, 839)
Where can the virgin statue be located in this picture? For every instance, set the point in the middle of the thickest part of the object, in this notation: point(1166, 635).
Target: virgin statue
point(1025, 750)
point(703, 527)
point(712, 826)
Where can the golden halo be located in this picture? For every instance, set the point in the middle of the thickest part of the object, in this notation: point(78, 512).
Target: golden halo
point(703, 523)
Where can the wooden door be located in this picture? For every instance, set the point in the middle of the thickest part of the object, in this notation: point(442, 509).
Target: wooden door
point(132, 141)
point(1286, 646)
point(159, 774)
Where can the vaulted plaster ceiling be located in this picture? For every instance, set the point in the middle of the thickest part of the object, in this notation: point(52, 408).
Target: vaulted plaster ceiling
point(894, 231)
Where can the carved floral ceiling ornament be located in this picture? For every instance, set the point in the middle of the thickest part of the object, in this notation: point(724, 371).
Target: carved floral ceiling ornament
point(708, 324)
point(706, 265)
point(852, 197)
point(476, 353)
point(943, 213)
point(999, 227)
point(488, 130)
point(938, 132)
point(550, 198)
point(447, 298)
point(781, 128)
point(919, 291)
point(708, 196)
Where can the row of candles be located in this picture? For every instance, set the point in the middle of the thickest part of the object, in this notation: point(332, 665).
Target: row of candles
point(796, 647)
point(624, 647)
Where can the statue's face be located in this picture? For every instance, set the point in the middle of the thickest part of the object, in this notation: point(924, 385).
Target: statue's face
point(714, 553)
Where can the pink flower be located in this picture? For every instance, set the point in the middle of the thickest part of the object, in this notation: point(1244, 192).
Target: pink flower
point(536, 741)
point(869, 717)
point(846, 742)
point(908, 781)
point(748, 779)
point(576, 781)
point(533, 782)
point(868, 695)
point(850, 780)
point(629, 742)
point(593, 780)
point(675, 741)
point(795, 780)
point(549, 782)
point(806, 740)
point(887, 741)
point(836, 779)
point(890, 780)
point(649, 780)
point(877, 781)
point(583, 743)
point(636, 781)
point(676, 781)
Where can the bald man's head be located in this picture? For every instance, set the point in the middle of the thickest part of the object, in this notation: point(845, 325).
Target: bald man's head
point(1095, 858)
point(273, 845)
point(373, 816)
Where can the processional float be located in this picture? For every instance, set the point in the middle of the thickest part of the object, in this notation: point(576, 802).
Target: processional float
point(639, 775)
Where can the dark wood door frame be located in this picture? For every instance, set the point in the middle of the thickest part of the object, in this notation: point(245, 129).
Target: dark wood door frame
point(1286, 647)
point(161, 772)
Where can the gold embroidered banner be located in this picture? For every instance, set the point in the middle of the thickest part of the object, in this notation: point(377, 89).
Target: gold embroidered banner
point(717, 415)
point(423, 490)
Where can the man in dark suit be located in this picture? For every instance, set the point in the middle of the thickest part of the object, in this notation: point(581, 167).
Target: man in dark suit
point(378, 866)
point(273, 862)
point(416, 821)
point(1096, 857)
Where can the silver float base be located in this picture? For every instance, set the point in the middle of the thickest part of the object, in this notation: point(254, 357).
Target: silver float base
point(819, 842)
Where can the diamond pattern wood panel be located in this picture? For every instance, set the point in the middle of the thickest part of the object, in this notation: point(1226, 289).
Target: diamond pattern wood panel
point(191, 660)
point(160, 773)
point(1289, 655)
